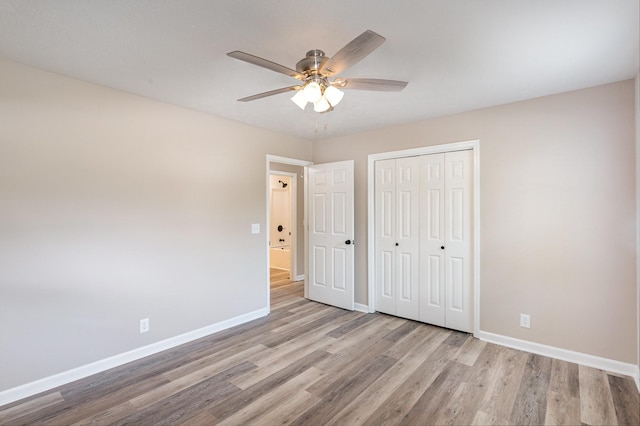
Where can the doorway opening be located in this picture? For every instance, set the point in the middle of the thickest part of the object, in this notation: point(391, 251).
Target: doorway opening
point(282, 215)
point(285, 259)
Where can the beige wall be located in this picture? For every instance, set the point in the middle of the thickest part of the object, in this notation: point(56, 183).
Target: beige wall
point(557, 213)
point(115, 208)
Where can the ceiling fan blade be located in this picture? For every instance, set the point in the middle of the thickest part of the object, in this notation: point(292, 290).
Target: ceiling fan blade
point(352, 53)
point(269, 93)
point(264, 63)
point(375, 84)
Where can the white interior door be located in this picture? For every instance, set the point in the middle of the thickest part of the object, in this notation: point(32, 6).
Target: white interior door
point(330, 234)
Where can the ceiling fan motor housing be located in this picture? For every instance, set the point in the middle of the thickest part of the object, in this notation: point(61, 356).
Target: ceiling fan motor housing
point(312, 62)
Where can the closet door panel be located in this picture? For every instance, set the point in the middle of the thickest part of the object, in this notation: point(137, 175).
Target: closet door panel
point(458, 255)
point(432, 239)
point(385, 230)
point(408, 237)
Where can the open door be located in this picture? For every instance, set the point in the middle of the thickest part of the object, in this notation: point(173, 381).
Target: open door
point(330, 234)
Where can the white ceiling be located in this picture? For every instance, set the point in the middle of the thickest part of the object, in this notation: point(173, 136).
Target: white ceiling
point(457, 55)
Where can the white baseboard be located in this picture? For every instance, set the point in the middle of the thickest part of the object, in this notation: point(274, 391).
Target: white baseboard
point(299, 278)
point(361, 308)
point(47, 383)
point(562, 354)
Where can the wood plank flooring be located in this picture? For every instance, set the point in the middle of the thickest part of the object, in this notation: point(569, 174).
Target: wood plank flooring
point(312, 364)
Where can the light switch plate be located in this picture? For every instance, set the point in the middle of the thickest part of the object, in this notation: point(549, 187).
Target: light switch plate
point(255, 228)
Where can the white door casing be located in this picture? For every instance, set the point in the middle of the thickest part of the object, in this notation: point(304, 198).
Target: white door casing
point(330, 233)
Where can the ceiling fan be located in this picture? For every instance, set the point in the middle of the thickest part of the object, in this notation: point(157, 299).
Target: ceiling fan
point(315, 70)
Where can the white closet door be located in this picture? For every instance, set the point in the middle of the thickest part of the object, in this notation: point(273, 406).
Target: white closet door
point(423, 242)
point(407, 276)
point(432, 239)
point(458, 255)
point(385, 225)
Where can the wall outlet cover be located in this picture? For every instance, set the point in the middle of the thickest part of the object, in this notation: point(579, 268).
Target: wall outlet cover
point(525, 321)
point(144, 325)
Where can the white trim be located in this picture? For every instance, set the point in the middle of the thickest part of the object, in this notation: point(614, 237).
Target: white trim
point(293, 162)
point(361, 308)
point(433, 149)
point(306, 233)
point(562, 354)
point(47, 383)
point(299, 277)
point(287, 160)
point(637, 146)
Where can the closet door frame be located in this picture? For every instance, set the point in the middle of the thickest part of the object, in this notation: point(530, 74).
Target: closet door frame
point(433, 149)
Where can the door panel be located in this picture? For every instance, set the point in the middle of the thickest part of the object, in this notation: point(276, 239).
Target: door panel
point(434, 292)
point(339, 214)
point(408, 237)
point(387, 274)
point(385, 225)
point(458, 255)
point(432, 239)
point(331, 269)
point(339, 268)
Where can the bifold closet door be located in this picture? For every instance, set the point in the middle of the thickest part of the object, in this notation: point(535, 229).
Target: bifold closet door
point(446, 292)
point(397, 195)
point(432, 240)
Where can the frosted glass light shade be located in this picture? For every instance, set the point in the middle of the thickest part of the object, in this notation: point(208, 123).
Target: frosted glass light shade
point(312, 92)
point(299, 99)
point(333, 95)
point(321, 105)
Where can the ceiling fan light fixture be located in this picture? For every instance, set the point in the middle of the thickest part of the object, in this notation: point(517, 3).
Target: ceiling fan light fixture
point(300, 99)
point(333, 95)
point(315, 69)
point(321, 105)
point(312, 92)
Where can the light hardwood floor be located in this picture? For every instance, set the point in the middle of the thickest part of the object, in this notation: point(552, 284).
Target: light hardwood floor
point(311, 364)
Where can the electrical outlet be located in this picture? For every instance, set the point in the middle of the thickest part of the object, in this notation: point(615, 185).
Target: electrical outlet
point(144, 325)
point(525, 321)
